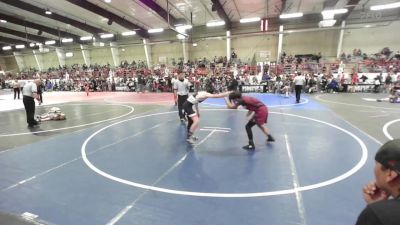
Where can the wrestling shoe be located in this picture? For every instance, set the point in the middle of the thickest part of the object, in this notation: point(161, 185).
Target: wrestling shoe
point(249, 147)
point(195, 138)
point(191, 140)
point(270, 139)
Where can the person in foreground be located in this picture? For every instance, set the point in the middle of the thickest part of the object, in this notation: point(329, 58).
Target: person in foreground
point(257, 115)
point(382, 195)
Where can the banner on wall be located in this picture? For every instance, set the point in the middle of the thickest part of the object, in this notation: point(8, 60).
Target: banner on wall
point(253, 88)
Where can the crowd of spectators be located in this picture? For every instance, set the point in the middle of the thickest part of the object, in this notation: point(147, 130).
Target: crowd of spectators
point(205, 74)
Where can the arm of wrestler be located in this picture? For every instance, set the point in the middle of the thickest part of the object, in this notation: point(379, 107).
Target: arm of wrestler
point(219, 95)
point(229, 104)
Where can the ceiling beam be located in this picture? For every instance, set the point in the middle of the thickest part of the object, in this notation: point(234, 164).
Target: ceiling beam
point(11, 41)
point(20, 34)
point(283, 7)
point(351, 5)
point(39, 27)
point(41, 12)
point(160, 11)
point(328, 4)
point(221, 12)
point(113, 17)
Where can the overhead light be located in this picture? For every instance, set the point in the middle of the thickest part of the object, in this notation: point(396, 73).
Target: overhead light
point(156, 30)
point(291, 15)
point(108, 1)
point(249, 20)
point(180, 36)
point(67, 40)
point(101, 44)
point(48, 12)
point(184, 27)
point(6, 48)
point(32, 45)
point(194, 44)
point(3, 21)
point(385, 6)
point(106, 36)
point(39, 44)
point(334, 11)
point(326, 23)
point(19, 46)
point(52, 42)
point(86, 38)
point(69, 54)
point(215, 23)
point(128, 33)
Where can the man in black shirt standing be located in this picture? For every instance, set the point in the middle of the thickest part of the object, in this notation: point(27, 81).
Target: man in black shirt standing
point(29, 95)
point(382, 195)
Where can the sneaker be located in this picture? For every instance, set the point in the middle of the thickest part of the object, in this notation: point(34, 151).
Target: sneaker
point(248, 147)
point(182, 120)
point(270, 139)
point(191, 140)
point(33, 125)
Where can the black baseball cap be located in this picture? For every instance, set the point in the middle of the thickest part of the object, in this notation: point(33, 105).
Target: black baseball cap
point(389, 155)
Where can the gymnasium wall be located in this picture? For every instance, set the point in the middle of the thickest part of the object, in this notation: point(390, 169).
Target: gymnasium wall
point(165, 50)
point(314, 42)
point(2, 64)
point(208, 49)
point(10, 64)
point(373, 39)
point(130, 53)
point(50, 59)
point(369, 40)
point(77, 57)
point(101, 56)
point(30, 61)
point(247, 47)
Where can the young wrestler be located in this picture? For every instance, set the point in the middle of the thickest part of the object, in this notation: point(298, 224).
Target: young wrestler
point(53, 114)
point(191, 109)
point(257, 115)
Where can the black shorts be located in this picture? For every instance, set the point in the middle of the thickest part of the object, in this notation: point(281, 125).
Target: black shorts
point(189, 110)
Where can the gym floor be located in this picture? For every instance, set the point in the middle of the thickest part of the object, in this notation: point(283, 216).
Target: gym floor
point(122, 158)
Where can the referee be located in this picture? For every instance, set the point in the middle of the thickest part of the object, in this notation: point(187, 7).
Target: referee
point(181, 92)
point(29, 93)
point(298, 82)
